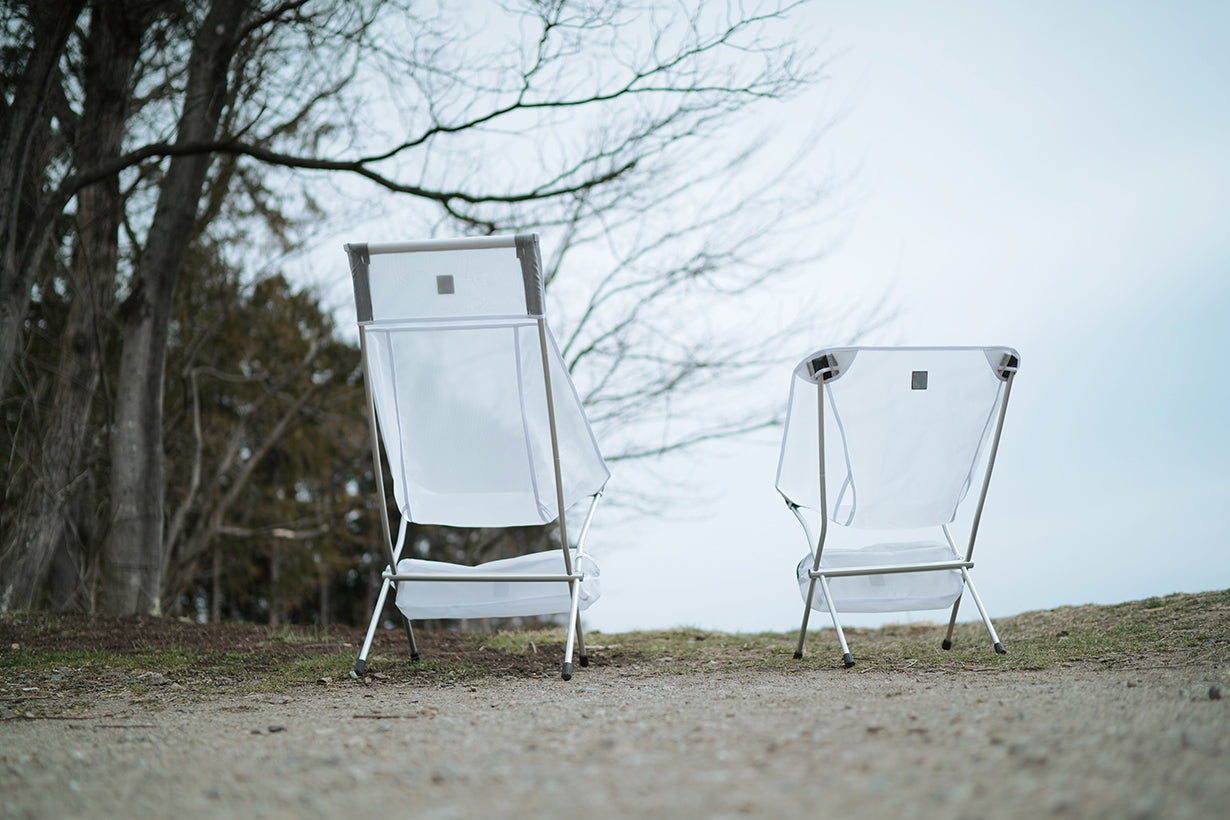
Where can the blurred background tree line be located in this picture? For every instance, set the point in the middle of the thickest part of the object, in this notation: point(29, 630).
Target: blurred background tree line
point(182, 423)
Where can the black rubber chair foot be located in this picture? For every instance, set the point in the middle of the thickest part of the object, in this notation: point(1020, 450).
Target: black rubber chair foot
point(359, 667)
point(848, 660)
point(798, 655)
point(947, 644)
point(567, 675)
point(414, 656)
point(585, 660)
point(999, 649)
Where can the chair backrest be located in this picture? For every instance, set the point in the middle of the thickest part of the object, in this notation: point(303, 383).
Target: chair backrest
point(488, 276)
point(904, 431)
point(453, 344)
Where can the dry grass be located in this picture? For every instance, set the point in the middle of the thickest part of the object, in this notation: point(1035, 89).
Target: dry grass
point(1177, 630)
point(46, 656)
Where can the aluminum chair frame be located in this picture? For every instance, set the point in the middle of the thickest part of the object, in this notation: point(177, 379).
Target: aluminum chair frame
point(527, 250)
point(820, 575)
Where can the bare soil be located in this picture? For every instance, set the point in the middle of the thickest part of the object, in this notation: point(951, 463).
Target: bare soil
point(476, 730)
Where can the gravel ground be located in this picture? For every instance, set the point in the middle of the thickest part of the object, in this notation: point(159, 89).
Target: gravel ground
point(640, 741)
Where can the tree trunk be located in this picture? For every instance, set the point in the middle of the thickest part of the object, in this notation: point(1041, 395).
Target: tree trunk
point(325, 582)
point(111, 51)
point(275, 576)
point(215, 597)
point(24, 130)
point(133, 553)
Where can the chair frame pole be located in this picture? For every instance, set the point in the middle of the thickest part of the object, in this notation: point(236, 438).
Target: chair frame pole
point(589, 517)
point(811, 589)
point(392, 551)
point(824, 527)
point(386, 584)
point(574, 587)
point(969, 550)
point(373, 433)
point(986, 619)
point(846, 658)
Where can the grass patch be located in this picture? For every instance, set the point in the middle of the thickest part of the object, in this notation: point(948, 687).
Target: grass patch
point(30, 658)
point(48, 658)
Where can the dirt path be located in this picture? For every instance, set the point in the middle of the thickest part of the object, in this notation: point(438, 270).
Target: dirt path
point(637, 741)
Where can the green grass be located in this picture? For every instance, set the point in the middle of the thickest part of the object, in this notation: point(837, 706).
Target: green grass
point(29, 658)
point(1175, 630)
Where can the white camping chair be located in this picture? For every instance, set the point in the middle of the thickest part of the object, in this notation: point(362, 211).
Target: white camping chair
point(891, 439)
point(481, 426)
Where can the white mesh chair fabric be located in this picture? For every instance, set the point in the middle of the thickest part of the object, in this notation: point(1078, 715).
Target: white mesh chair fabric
point(495, 599)
point(891, 439)
point(903, 592)
point(478, 417)
point(462, 408)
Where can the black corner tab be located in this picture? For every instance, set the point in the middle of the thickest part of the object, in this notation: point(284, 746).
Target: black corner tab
point(1007, 366)
point(531, 272)
point(360, 261)
point(823, 367)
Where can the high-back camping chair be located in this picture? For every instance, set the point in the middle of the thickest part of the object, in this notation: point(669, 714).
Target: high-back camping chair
point(481, 427)
point(891, 438)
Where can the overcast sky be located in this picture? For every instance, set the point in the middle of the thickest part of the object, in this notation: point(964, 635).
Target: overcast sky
point(1052, 176)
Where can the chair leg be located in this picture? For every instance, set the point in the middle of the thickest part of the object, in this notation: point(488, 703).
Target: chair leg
point(811, 590)
point(581, 642)
point(952, 621)
point(361, 664)
point(414, 649)
point(846, 657)
point(574, 619)
point(969, 582)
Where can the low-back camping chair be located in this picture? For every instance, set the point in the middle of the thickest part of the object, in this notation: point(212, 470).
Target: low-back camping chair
point(481, 427)
point(891, 438)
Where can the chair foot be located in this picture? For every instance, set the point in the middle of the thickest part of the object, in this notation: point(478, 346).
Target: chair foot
point(797, 655)
point(585, 660)
point(999, 649)
point(414, 656)
point(359, 667)
point(848, 660)
point(947, 644)
point(567, 674)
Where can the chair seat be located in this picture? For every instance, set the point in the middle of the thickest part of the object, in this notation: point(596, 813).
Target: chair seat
point(495, 599)
point(895, 592)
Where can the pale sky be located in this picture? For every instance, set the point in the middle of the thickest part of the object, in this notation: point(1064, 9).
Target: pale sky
point(1051, 176)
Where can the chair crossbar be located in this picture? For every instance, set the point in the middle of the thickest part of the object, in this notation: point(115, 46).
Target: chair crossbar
point(490, 577)
point(458, 244)
point(934, 566)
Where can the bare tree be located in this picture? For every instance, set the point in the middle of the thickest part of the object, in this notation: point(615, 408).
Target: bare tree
point(590, 121)
point(92, 135)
